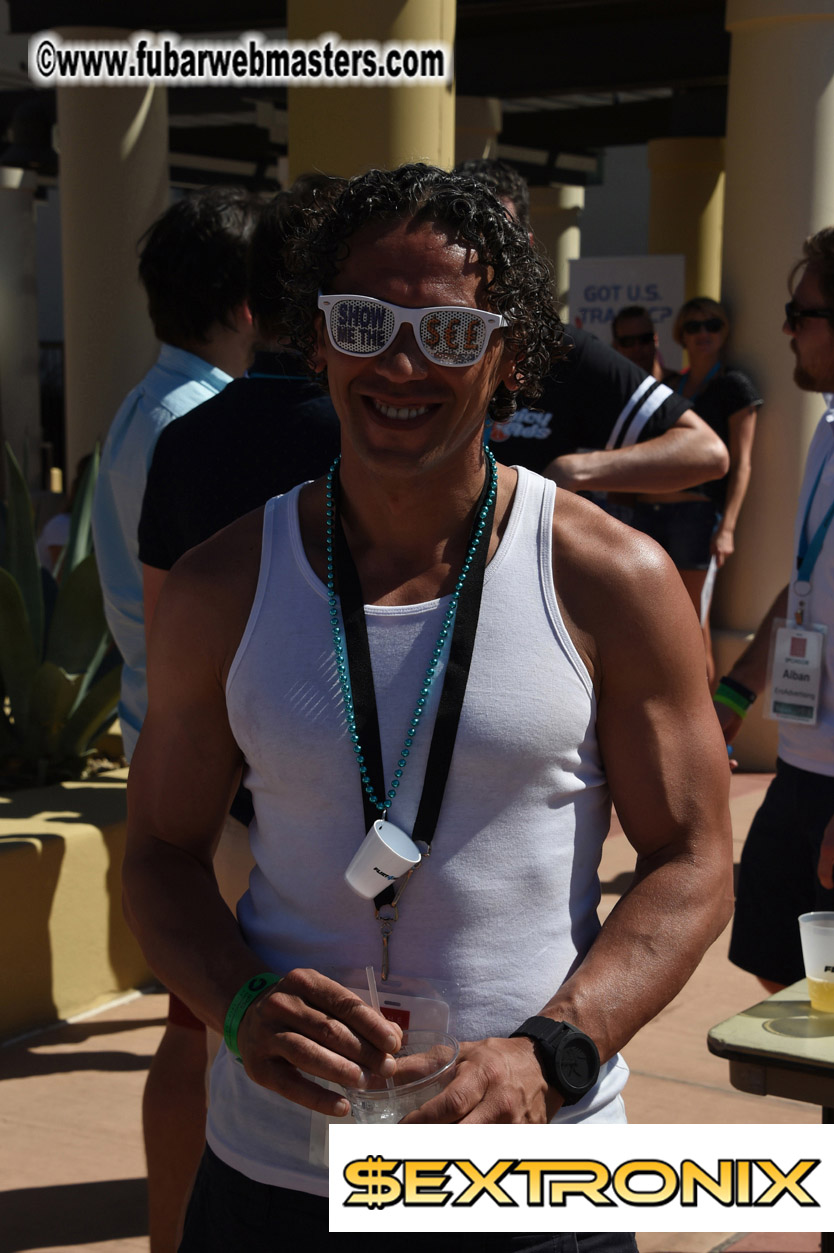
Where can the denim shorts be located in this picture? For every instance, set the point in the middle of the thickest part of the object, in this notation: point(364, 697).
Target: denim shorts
point(230, 1213)
point(684, 528)
point(778, 874)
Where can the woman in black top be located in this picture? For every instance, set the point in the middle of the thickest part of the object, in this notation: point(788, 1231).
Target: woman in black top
point(697, 526)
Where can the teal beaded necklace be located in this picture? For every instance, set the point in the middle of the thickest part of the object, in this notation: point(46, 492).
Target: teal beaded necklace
point(478, 529)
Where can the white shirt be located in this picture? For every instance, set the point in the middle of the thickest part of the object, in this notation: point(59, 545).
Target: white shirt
point(812, 748)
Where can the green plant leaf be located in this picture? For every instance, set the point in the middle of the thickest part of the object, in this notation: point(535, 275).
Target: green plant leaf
point(95, 712)
point(101, 652)
point(78, 623)
point(80, 542)
point(51, 699)
point(22, 550)
point(18, 658)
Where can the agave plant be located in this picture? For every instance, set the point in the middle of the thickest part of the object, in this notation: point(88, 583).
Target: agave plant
point(58, 687)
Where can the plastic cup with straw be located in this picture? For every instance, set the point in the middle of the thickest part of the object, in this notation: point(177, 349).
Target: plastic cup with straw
point(425, 1064)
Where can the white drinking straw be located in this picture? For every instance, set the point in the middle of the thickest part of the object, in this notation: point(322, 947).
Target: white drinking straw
point(371, 977)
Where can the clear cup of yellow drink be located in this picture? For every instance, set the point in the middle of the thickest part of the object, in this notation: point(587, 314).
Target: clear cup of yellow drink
point(816, 931)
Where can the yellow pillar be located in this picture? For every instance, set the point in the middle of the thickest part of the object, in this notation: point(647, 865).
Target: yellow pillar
point(780, 189)
point(478, 124)
point(347, 130)
point(686, 208)
point(113, 145)
point(555, 213)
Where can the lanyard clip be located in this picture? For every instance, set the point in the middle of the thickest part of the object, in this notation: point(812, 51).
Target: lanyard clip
point(386, 925)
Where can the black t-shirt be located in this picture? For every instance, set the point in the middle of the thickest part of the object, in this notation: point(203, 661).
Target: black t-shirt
point(725, 394)
point(257, 438)
point(593, 398)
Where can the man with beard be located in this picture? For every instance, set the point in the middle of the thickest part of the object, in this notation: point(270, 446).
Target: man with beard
point(787, 860)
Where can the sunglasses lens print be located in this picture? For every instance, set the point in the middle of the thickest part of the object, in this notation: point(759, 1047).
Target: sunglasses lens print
point(453, 336)
point(362, 327)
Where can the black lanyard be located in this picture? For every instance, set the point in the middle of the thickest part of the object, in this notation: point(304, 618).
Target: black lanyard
point(454, 681)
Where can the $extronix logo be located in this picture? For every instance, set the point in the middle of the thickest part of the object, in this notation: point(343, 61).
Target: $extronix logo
point(735, 1181)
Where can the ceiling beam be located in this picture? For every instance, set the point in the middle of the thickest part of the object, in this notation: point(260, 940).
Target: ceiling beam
point(550, 55)
point(700, 112)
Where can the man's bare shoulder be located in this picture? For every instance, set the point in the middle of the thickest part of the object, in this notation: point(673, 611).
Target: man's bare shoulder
point(617, 589)
point(600, 553)
point(208, 595)
point(229, 554)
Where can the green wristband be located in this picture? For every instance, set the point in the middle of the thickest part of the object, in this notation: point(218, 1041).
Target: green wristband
point(726, 696)
point(250, 992)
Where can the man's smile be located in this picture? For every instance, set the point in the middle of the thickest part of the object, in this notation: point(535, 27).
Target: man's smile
point(400, 412)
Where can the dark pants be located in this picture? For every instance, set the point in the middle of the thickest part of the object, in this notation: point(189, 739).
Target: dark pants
point(232, 1214)
point(778, 874)
point(684, 528)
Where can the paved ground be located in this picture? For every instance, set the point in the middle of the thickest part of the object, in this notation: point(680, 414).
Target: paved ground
point(71, 1163)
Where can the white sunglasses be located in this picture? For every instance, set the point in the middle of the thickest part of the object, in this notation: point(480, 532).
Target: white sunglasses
point(447, 334)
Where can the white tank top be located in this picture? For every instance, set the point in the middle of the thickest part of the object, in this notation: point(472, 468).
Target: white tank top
point(505, 907)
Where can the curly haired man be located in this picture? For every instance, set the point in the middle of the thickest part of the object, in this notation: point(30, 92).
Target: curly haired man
point(346, 649)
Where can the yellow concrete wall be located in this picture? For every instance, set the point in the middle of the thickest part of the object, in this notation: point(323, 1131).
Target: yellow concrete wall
point(64, 944)
point(114, 183)
point(686, 210)
point(347, 130)
point(555, 215)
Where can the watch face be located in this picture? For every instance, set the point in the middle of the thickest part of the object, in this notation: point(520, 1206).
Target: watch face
point(577, 1064)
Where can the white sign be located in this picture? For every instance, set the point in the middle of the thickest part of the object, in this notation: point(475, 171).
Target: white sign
point(601, 286)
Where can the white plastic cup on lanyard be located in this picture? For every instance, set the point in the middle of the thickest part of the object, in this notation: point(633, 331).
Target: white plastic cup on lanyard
point(384, 855)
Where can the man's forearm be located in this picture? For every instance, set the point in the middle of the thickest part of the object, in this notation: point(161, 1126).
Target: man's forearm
point(190, 938)
point(648, 947)
point(684, 456)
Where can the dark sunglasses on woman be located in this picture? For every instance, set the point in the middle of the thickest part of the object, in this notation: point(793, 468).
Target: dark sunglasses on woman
point(693, 326)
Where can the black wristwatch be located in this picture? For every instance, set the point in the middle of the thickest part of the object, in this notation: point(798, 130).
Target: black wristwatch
point(568, 1057)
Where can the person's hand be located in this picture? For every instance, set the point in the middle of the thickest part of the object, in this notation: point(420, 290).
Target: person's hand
point(825, 865)
point(722, 546)
point(308, 1023)
point(496, 1081)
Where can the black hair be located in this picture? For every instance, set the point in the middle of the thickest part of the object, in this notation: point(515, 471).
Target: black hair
point(267, 254)
point(192, 262)
point(504, 181)
point(629, 311)
point(518, 282)
point(818, 254)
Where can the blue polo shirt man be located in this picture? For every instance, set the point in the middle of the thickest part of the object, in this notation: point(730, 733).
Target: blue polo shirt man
point(192, 264)
point(178, 382)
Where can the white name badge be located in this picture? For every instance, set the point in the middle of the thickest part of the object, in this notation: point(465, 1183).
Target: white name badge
point(795, 672)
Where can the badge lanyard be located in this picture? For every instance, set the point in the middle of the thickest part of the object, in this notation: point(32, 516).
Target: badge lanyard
point(809, 550)
point(684, 378)
point(451, 697)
